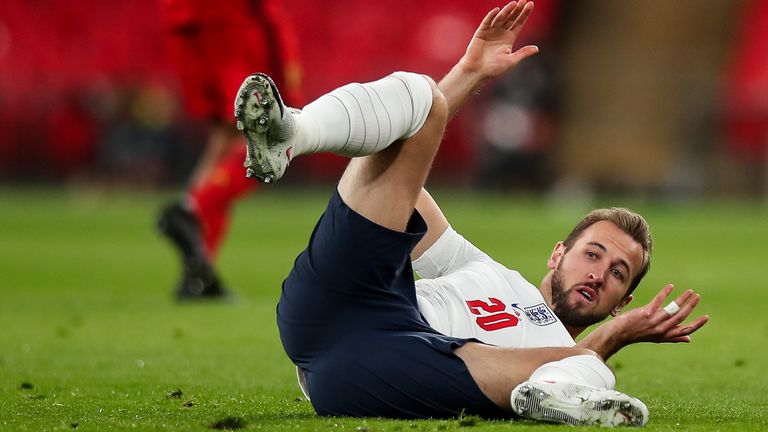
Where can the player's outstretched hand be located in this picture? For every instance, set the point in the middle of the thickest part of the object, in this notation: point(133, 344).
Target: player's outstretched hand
point(490, 52)
point(654, 323)
point(650, 323)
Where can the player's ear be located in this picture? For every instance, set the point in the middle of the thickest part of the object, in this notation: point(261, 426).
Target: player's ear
point(624, 302)
point(557, 255)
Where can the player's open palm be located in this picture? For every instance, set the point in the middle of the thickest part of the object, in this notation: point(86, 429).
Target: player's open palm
point(652, 323)
point(491, 52)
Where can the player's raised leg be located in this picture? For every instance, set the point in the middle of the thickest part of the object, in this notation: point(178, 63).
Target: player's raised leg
point(384, 186)
point(404, 109)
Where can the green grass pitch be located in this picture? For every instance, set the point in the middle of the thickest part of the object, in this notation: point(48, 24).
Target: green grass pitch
point(91, 340)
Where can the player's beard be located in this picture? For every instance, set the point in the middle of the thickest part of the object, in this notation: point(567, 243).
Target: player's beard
point(570, 315)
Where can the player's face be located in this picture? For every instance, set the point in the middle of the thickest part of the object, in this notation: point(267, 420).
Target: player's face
point(592, 277)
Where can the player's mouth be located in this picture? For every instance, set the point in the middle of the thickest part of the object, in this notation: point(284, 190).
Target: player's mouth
point(587, 293)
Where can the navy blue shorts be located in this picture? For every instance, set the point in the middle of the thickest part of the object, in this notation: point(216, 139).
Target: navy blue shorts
point(348, 316)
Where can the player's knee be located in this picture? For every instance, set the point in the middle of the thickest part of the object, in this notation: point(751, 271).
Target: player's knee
point(439, 110)
point(585, 351)
point(429, 108)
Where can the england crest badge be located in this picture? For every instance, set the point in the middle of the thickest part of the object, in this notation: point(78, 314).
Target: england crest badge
point(539, 314)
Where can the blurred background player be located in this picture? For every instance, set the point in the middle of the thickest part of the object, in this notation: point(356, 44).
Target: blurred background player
point(212, 45)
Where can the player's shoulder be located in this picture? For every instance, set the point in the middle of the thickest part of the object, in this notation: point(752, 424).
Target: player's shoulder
point(495, 266)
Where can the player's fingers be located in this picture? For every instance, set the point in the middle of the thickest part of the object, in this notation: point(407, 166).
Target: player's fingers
point(684, 305)
point(521, 19)
point(503, 15)
point(486, 23)
point(679, 309)
point(511, 14)
point(690, 304)
point(523, 53)
point(686, 310)
point(655, 304)
point(683, 298)
point(670, 321)
point(695, 325)
point(688, 329)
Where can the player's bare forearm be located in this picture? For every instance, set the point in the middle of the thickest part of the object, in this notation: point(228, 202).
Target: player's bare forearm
point(489, 53)
point(458, 85)
point(604, 340)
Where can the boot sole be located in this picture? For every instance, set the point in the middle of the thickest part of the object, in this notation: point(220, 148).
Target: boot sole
point(257, 107)
point(612, 409)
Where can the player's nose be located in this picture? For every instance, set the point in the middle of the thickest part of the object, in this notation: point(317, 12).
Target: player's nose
point(596, 277)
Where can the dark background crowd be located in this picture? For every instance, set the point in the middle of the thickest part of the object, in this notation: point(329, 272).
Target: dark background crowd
point(651, 97)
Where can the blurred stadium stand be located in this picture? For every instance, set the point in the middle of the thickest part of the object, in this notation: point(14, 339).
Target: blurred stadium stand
point(629, 96)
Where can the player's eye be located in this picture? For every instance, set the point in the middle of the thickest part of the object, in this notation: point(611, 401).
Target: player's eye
point(617, 273)
point(591, 254)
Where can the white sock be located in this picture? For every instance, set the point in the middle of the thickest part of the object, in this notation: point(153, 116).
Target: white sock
point(361, 119)
point(581, 369)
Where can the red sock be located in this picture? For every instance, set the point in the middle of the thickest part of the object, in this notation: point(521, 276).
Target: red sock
point(211, 200)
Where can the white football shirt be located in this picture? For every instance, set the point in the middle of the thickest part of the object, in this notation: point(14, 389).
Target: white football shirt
point(465, 293)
